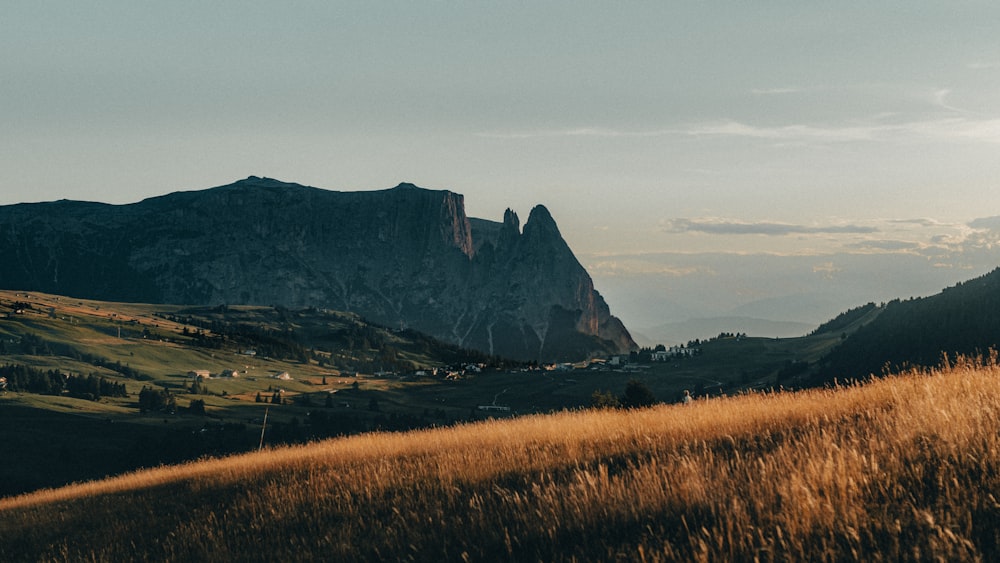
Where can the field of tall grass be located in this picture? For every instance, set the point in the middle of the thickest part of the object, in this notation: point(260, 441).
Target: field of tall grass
point(901, 468)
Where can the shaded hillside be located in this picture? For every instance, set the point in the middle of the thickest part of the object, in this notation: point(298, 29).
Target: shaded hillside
point(405, 257)
point(962, 319)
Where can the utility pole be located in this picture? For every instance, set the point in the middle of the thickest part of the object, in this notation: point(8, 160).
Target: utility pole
point(262, 427)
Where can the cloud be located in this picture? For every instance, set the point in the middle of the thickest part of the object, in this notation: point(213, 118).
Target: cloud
point(890, 245)
point(945, 129)
point(940, 99)
point(986, 223)
point(920, 222)
point(795, 132)
point(726, 227)
point(960, 128)
point(826, 270)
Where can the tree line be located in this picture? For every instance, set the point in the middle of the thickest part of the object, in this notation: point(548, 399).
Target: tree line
point(920, 331)
point(26, 379)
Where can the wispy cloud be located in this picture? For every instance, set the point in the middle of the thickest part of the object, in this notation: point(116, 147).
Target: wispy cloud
point(919, 221)
point(728, 227)
point(886, 245)
point(795, 132)
point(940, 99)
point(946, 129)
point(826, 269)
point(878, 129)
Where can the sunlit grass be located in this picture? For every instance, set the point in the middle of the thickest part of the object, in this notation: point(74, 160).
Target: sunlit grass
point(901, 468)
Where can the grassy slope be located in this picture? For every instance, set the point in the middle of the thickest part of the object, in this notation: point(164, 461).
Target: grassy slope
point(56, 440)
point(904, 468)
point(65, 449)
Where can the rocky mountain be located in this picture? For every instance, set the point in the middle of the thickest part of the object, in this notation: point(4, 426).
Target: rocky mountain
point(402, 257)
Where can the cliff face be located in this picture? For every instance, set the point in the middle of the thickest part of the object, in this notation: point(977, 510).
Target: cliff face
point(399, 257)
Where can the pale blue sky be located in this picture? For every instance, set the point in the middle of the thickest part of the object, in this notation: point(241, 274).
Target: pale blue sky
point(803, 129)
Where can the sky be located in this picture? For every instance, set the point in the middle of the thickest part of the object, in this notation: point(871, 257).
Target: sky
point(783, 159)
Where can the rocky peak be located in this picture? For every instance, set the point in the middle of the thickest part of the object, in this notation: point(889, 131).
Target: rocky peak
point(541, 225)
point(511, 222)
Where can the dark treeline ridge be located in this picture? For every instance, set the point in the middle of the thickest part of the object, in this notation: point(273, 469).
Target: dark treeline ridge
point(961, 320)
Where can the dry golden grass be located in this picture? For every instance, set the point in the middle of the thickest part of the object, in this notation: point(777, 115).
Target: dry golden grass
point(900, 468)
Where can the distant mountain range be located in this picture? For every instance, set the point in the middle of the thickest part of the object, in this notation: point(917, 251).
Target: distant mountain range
point(405, 257)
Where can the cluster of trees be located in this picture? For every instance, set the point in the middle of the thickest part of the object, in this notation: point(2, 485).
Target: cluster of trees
point(29, 345)
point(30, 380)
point(157, 400)
point(25, 379)
point(93, 388)
point(645, 355)
point(198, 388)
point(197, 406)
point(637, 395)
point(725, 335)
point(21, 306)
point(274, 399)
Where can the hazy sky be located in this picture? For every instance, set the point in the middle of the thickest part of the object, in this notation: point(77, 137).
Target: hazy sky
point(659, 134)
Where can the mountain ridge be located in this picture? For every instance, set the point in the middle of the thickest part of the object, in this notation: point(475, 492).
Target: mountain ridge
point(404, 256)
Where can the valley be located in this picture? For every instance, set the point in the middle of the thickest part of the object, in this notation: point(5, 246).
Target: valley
point(331, 374)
